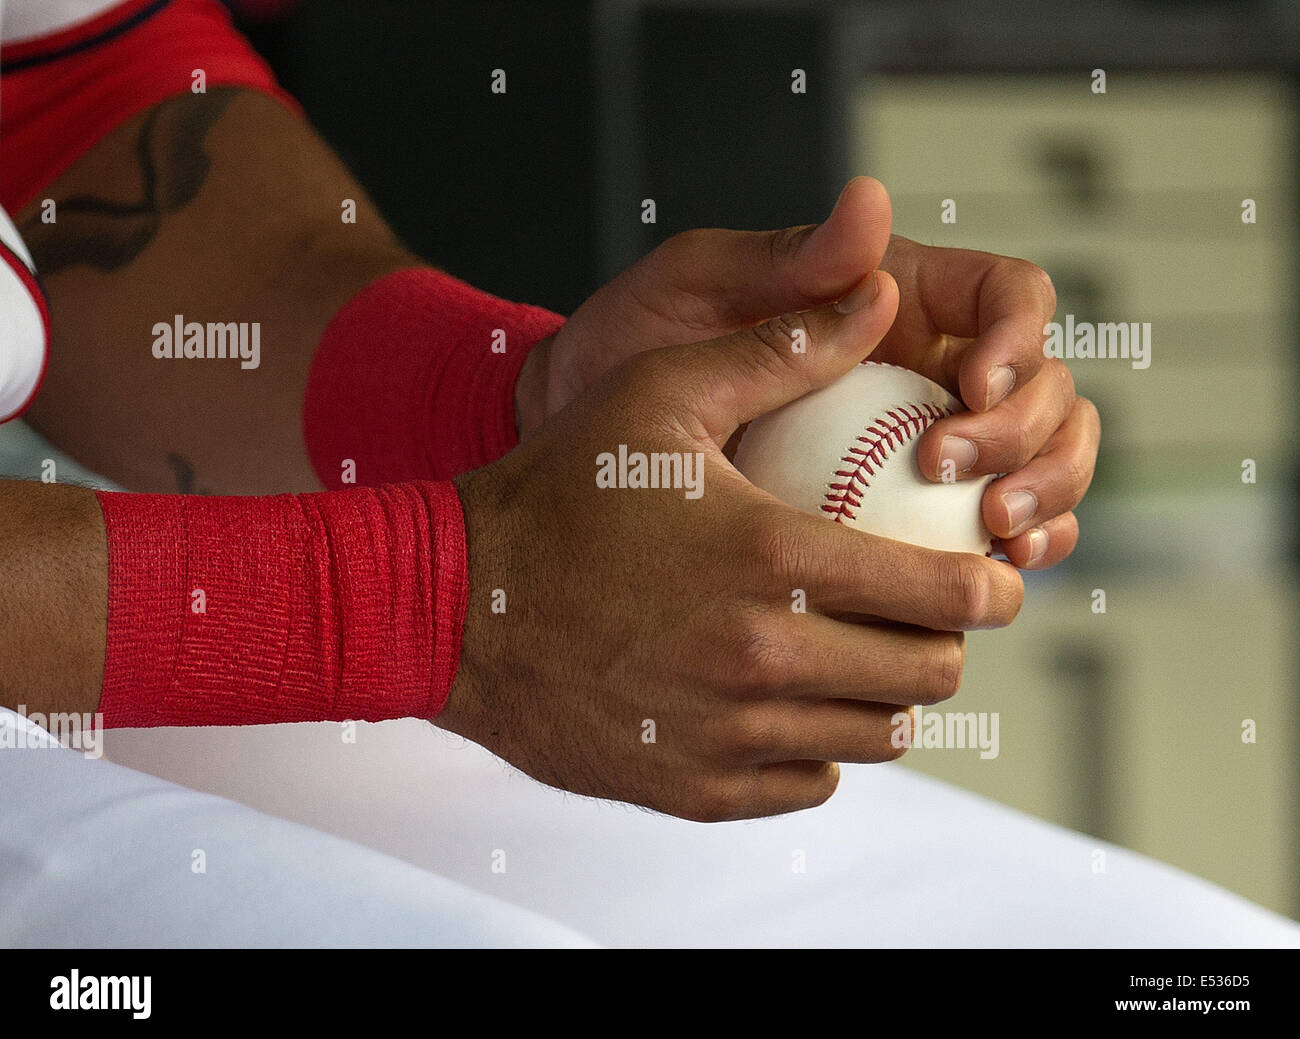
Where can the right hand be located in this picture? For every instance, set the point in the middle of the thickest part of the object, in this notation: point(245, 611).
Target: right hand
point(631, 606)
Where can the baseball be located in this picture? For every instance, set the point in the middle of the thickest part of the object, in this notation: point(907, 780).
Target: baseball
point(848, 452)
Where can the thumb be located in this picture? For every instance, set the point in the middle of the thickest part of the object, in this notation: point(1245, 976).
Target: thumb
point(747, 276)
point(728, 381)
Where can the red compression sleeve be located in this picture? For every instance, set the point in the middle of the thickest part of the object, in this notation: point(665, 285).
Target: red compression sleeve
point(414, 378)
point(64, 91)
point(243, 610)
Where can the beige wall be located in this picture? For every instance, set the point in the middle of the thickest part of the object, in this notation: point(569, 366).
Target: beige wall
point(1129, 724)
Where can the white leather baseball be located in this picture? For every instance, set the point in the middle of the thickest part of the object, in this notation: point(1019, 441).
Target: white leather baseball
point(848, 452)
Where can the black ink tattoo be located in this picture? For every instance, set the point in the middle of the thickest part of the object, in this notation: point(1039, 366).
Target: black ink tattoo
point(184, 475)
point(109, 235)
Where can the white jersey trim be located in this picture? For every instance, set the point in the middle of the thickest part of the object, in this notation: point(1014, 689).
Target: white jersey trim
point(22, 20)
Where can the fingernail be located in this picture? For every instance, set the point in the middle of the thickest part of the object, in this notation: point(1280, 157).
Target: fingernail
point(999, 383)
point(1037, 544)
point(862, 294)
point(959, 451)
point(1021, 506)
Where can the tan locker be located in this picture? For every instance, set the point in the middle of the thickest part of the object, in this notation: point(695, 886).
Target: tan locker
point(1130, 723)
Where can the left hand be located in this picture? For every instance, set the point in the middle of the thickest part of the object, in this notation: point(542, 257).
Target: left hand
point(973, 322)
point(962, 316)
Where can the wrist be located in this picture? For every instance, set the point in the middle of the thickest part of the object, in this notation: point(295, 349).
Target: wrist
point(489, 528)
point(420, 376)
point(331, 606)
point(530, 389)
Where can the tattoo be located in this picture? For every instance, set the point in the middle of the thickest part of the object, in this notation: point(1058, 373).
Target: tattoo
point(184, 475)
point(108, 235)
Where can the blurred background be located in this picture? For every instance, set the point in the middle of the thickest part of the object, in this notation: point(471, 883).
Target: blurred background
point(1166, 723)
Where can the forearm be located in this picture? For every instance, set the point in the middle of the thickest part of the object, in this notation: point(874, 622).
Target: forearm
point(192, 610)
point(243, 223)
point(53, 613)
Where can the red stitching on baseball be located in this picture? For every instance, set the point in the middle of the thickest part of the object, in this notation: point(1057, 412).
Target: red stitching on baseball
point(882, 437)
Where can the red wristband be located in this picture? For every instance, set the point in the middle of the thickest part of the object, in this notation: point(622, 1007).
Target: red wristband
point(312, 607)
point(415, 379)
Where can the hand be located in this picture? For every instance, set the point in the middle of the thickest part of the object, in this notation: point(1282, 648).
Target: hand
point(631, 608)
point(973, 322)
point(961, 314)
point(702, 284)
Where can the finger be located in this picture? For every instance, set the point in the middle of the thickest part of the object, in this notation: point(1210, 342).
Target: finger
point(1042, 546)
point(1001, 303)
point(813, 657)
point(939, 360)
point(1050, 485)
point(725, 382)
point(843, 570)
point(794, 786)
point(830, 730)
point(733, 444)
point(974, 443)
point(741, 277)
point(757, 790)
point(1016, 301)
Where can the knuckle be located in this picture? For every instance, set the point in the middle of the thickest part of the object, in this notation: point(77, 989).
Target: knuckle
point(672, 251)
point(784, 243)
point(945, 659)
point(760, 659)
point(1061, 372)
point(781, 335)
point(717, 800)
point(645, 369)
point(1091, 415)
point(1015, 596)
point(887, 738)
point(783, 555)
point(1078, 476)
point(892, 749)
point(967, 591)
point(751, 735)
point(1022, 446)
point(890, 743)
point(823, 785)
